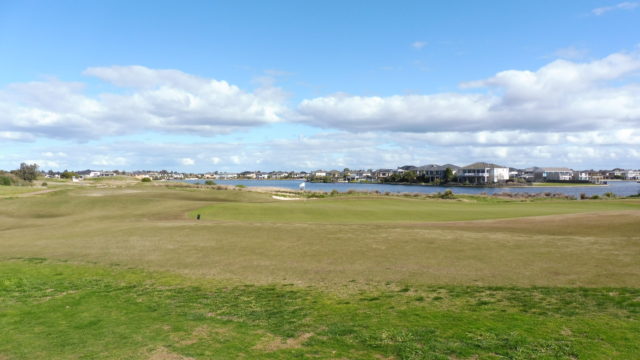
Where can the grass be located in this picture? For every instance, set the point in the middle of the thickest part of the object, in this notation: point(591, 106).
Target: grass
point(124, 271)
point(17, 190)
point(384, 210)
point(61, 311)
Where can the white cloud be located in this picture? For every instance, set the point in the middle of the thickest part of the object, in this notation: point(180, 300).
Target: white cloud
point(215, 160)
point(337, 150)
point(561, 96)
point(418, 44)
point(627, 5)
point(160, 100)
point(109, 160)
point(187, 161)
point(16, 136)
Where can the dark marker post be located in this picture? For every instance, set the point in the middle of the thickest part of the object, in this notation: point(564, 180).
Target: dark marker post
point(198, 217)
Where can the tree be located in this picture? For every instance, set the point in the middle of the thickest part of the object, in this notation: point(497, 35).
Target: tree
point(68, 174)
point(448, 175)
point(27, 172)
point(409, 176)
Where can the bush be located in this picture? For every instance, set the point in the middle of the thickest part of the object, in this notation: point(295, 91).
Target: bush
point(146, 180)
point(240, 186)
point(27, 172)
point(447, 194)
point(583, 196)
point(44, 184)
point(209, 182)
point(6, 180)
point(334, 192)
point(610, 195)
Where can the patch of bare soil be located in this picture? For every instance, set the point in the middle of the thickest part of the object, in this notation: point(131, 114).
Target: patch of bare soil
point(285, 198)
point(277, 343)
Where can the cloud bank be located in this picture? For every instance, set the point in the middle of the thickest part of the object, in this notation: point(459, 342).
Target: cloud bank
point(561, 96)
point(564, 113)
point(156, 100)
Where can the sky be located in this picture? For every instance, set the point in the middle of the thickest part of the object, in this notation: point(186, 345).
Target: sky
point(305, 85)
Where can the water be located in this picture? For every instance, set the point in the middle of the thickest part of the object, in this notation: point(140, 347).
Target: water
point(620, 188)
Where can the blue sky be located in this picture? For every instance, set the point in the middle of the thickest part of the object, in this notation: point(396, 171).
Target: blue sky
point(203, 86)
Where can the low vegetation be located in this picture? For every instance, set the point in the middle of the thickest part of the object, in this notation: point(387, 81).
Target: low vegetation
point(117, 270)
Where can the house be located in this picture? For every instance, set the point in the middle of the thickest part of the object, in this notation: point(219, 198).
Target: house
point(581, 176)
point(552, 174)
point(319, 173)
point(483, 173)
point(382, 173)
point(247, 175)
point(434, 172)
point(631, 174)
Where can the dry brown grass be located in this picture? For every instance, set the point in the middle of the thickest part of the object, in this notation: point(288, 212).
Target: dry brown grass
point(146, 227)
point(163, 353)
point(275, 343)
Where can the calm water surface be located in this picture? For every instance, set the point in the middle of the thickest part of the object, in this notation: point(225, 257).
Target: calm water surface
point(620, 188)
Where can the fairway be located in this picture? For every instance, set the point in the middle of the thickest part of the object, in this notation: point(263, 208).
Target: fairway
point(397, 209)
point(350, 276)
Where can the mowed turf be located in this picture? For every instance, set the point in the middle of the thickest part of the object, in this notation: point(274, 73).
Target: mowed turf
point(17, 190)
point(149, 227)
point(398, 209)
point(126, 272)
point(50, 310)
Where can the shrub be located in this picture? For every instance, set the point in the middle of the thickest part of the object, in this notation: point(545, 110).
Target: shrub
point(334, 192)
point(610, 195)
point(447, 194)
point(44, 183)
point(6, 180)
point(240, 186)
point(146, 180)
point(595, 197)
point(583, 196)
point(209, 182)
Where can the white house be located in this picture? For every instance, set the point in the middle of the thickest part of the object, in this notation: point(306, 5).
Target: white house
point(552, 173)
point(631, 174)
point(483, 173)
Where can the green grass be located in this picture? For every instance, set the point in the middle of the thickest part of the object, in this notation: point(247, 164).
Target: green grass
point(61, 311)
point(383, 210)
point(122, 271)
point(17, 190)
point(147, 226)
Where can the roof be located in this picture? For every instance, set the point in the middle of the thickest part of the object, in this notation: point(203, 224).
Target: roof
point(482, 165)
point(436, 167)
point(552, 169)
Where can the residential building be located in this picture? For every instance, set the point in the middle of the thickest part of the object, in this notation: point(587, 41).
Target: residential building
point(631, 174)
point(483, 173)
point(434, 172)
point(552, 174)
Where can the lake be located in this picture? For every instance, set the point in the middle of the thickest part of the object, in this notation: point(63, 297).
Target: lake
point(620, 188)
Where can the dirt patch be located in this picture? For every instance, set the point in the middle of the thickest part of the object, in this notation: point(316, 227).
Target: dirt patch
point(163, 353)
point(198, 334)
point(277, 343)
point(285, 198)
